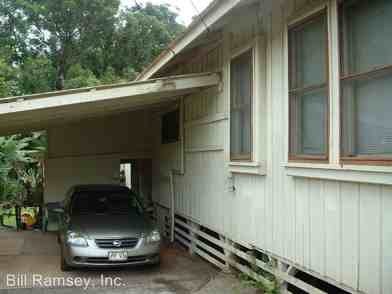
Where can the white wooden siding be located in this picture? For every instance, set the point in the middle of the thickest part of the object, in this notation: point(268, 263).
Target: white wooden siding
point(89, 151)
point(63, 173)
point(128, 133)
point(340, 230)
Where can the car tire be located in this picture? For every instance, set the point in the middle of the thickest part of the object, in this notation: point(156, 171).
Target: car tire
point(156, 264)
point(64, 265)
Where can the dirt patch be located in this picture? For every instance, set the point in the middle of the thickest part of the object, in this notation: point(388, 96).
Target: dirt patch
point(10, 245)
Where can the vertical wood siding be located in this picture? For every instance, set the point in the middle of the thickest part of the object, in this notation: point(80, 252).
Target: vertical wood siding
point(340, 230)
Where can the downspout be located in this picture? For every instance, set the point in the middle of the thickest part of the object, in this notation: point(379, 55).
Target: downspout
point(172, 206)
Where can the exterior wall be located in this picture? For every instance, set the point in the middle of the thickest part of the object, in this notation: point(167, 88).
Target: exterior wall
point(166, 157)
point(339, 230)
point(89, 151)
point(123, 133)
point(62, 173)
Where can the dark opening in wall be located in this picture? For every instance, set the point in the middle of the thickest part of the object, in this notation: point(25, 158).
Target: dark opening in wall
point(170, 127)
point(320, 284)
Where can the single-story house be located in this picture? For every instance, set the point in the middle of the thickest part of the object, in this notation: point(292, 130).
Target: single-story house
point(268, 127)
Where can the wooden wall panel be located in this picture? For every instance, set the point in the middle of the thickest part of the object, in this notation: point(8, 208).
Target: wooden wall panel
point(370, 239)
point(301, 221)
point(333, 229)
point(350, 233)
point(339, 230)
point(317, 226)
point(205, 136)
point(386, 255)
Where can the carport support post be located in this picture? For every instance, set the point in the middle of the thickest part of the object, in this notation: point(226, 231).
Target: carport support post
point(17, 218)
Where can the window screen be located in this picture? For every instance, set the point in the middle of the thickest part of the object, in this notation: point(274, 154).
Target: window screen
point(366, 78)
point(308, 93)
point(170, 127)
point(241, 75)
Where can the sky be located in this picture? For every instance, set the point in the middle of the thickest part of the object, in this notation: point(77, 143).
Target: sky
point(184, 8)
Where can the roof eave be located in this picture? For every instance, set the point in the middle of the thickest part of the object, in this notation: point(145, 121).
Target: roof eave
point(214, 12)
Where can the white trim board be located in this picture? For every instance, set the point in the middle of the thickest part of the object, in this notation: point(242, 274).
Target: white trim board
point(344, 175)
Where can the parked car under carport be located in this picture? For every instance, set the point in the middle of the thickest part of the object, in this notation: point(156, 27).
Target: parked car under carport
point(106, 226)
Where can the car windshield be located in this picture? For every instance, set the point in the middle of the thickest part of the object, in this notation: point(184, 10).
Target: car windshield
point(107, 202)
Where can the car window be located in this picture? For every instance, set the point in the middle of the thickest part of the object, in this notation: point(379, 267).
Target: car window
point(97, 202)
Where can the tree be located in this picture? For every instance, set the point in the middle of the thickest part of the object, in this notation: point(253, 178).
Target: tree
point(20, 167)
point(13, 30)
point(143, 32)
point(63, 29)
point(164, 15)
point(37, 75)
point(110, 76)
point(8, 79)
point(79, 77)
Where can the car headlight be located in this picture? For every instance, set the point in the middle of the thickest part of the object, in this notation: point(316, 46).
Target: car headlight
point(76, 239)
point(154, 237)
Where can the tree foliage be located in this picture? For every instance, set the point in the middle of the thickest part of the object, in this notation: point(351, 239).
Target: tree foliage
point(142, 34)
point(56, 44)
point(63, 29)
point(21, 174)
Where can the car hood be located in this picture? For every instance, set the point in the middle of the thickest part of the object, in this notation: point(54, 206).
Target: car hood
point(111, 226)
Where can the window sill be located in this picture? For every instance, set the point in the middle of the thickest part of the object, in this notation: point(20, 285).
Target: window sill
point(346, 173)
point(252, 168)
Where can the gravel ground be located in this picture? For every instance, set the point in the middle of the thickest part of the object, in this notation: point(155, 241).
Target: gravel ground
point(225, 284)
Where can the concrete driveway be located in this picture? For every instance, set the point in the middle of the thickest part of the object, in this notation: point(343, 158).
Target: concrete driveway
point(29, 263)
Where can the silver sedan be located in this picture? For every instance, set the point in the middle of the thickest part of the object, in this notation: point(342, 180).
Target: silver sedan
point(105, 226)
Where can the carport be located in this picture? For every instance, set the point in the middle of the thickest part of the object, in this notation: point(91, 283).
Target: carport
point(90, 132)
point(41, 111)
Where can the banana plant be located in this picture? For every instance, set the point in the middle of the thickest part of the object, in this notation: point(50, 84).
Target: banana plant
point(21, 166)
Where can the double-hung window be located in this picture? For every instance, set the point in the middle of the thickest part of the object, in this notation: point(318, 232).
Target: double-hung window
point(308, 89)
point(241, 92)
point(366, 80)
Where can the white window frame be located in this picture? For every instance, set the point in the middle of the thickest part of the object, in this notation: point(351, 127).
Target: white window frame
point(334, 169)
point(257, 164)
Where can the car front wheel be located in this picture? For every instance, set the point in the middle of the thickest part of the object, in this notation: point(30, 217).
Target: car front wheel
point(63, 264)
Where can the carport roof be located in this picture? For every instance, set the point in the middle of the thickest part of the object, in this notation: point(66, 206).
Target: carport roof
point(38, 112)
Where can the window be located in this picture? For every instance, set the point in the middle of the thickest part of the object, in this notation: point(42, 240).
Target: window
point(170, 131)
point(105, 202)
point(241, 92)
point(308, 89)
point(366, 79)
